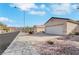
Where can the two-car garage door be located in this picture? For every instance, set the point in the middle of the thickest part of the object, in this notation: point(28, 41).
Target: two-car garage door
point(55, 30)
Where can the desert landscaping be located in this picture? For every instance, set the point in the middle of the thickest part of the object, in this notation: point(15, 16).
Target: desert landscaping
point(43, 44)
point(58, 45)
point(39, 29)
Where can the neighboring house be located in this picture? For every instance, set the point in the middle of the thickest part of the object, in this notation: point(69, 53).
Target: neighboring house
point(3, 28)
point(38, 28)
point(61, 26)
point(12, 29)
point(19, 29)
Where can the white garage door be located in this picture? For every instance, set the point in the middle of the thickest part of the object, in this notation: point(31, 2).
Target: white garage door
point(55, 30)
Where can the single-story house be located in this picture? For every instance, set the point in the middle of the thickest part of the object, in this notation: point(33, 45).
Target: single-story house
point(12, 29)
point(38, 28)
point(3, 28)
point(61, 26)
point(2, 31)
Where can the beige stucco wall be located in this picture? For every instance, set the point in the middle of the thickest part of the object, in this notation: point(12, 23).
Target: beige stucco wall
point(68, 27)
point(58, 30)
point(71, 27)
point(55, 22)
point(11, 30)
point(39, 29)
point(77, 29)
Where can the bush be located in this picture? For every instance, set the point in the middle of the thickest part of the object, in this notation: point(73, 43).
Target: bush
point(50, 42)
point(43, 32)
point(31, 32)
point(76, 33)
point(71, 33)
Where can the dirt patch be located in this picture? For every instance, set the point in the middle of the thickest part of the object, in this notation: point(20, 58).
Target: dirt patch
point(69, 37)
point(57, 48)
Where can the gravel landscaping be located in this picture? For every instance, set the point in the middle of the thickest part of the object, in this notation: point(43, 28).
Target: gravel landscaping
point(56, 49)
point(26, 44)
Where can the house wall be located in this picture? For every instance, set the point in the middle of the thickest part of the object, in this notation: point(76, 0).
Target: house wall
point(3, 29)
point(55, 22)
point(77, 29)
point(58, 30)
point(71, 27)
point(39, 29)
point(11, 30)
point(56, 26)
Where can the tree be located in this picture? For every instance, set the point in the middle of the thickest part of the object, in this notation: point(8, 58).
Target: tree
point(27, 29)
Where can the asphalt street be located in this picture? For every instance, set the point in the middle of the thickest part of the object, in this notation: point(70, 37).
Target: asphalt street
point(6, 39)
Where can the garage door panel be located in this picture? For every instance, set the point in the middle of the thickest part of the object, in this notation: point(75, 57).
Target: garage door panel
point(54, 30)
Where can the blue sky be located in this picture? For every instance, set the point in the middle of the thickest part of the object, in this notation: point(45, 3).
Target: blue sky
point(35, 13)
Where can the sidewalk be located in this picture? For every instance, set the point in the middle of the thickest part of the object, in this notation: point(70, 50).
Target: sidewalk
point(20, 46)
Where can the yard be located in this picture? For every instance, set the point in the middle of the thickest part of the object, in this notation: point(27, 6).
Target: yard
point(56, 45)
point(43, 44)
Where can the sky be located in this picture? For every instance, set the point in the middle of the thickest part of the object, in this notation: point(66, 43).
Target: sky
point(12, 14)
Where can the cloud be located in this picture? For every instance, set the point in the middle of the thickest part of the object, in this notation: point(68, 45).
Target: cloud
point(42, 6)
point(61, 9)
point(38, 12)
point(30, 7)
point(75, 6)
point(3, 19)
point(24, 6)
point(55, 8)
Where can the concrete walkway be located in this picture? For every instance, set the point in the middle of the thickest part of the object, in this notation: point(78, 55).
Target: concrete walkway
point(21, 46)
